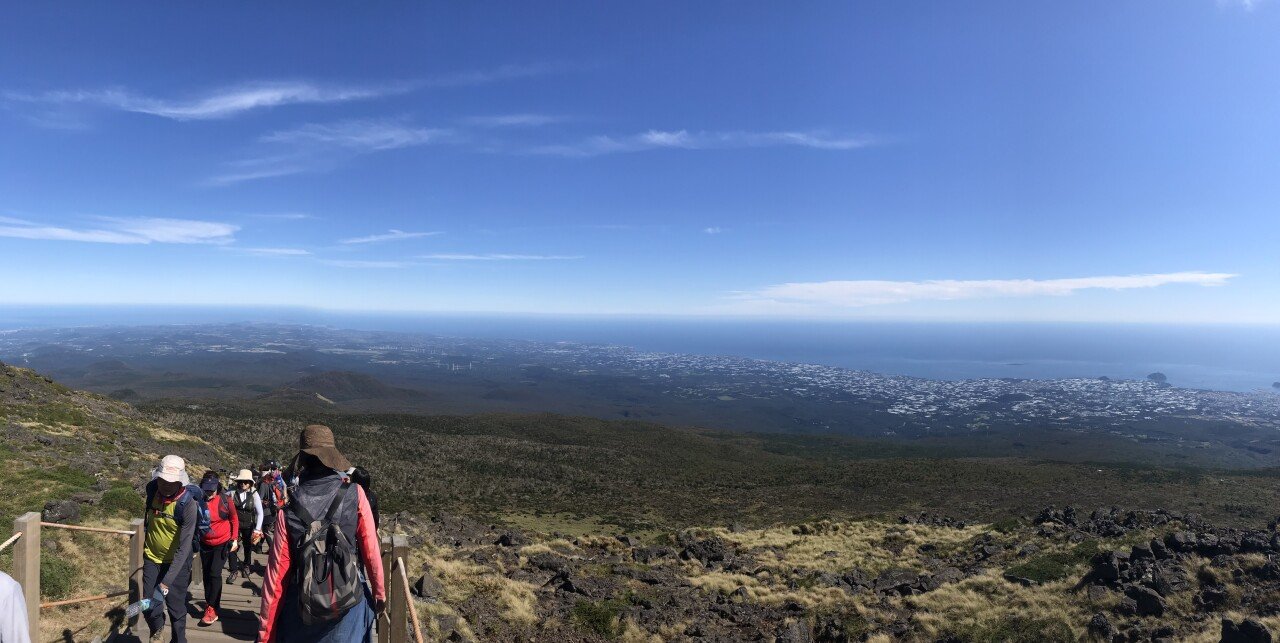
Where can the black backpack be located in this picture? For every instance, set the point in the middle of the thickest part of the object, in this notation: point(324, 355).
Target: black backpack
point(327, 563)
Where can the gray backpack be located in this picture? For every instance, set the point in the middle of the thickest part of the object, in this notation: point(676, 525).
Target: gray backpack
point(327, 563)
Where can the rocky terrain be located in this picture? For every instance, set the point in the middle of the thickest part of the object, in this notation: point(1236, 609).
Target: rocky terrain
point(545, 528)
point(1062, 575)
point(78, 457)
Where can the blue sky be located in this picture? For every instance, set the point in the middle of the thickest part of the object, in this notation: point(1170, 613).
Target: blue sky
point(1096, 161)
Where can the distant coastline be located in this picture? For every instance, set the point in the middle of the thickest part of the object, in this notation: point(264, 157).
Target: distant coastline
point(1243, 358)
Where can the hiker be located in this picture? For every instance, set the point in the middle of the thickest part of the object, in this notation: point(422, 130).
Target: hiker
point(173, 515)
point(13, 612)
point(249, 514)
point(216, 545)
point(326, 547)
point(275, 496)
point(360, 476)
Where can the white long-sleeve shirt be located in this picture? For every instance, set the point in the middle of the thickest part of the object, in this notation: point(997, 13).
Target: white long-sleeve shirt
point(257, 510)
point(13, 612)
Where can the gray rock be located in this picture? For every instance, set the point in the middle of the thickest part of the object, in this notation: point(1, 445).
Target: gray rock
point(1249, 631)
point(1149, 603)
point(1101, 627)
point(897, 581)
point(427, 587)
point(1182, 541)
point(1127, 606)
point(1097, 593)
point(797, 632)
point(61, 511)
point(511, 539)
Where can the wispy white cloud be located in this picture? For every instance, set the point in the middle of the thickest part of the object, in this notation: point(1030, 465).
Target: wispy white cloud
point(359, 135)
point(137, 230)
point(285, 216)
point(318, 147)
point(686, 140)
point(504, 73)
point(498, 257)
point(852, 294)
point(266, 167)
point(513, 120)
point(221, 103)
point(353, 263)
point(390, 235)
point(275, 252)
point(713, 230)
point(1247, 5)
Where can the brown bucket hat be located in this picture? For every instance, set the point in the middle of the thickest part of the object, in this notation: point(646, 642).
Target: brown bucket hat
point(317, 440)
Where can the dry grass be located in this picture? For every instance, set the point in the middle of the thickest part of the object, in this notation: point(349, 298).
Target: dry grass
point(834, 547)
point(765, 593)
point(463, 579)
point(633, 633)
point(101, 564)
point(983, 602)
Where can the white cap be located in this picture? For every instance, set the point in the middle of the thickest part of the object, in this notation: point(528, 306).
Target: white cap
point(172, 469)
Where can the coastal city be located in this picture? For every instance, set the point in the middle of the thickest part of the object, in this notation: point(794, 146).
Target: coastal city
point(914, 403)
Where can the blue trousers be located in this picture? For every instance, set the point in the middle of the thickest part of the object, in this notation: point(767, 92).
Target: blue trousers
point(356, 626)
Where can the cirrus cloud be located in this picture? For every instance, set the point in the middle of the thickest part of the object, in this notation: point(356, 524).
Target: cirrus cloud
point(498, 257)
point(853, 294)
point(217, 104)
point(686, 140)
point(390, 235)
point(125, 230)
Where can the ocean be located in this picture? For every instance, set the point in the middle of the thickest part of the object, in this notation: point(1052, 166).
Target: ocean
point(1221, 357)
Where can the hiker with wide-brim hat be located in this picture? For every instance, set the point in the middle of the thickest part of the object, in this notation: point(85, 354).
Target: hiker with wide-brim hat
point(325, 508)
point(248, 505)
point(170, 530)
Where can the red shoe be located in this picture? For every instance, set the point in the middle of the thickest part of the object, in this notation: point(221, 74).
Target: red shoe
point(210, 616)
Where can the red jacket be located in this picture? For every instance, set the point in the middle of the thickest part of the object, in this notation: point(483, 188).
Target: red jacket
point(278, 565)
point(220, 530)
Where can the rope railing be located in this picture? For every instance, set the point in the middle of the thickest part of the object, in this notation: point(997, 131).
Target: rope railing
point(26, 565)
point(413, 613)
point(99, 530)
point(84, 599)
point(12, 539)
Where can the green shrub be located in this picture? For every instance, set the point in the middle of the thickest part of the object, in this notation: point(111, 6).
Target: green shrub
point(1018, 629)
point(1054, 566)
point(121, 500)
point(599, 617)
point(61, 414)
point(1006, 525)
point(57, 577)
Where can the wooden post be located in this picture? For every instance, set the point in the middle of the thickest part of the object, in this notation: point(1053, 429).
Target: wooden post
point(384, 628)
point(136, 542)
point(398, 600)
point(26, 567)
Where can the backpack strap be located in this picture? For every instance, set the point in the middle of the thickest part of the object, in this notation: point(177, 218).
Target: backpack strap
point(338, 497)
point(339, 500)
point(182, 499)
point(151, 495)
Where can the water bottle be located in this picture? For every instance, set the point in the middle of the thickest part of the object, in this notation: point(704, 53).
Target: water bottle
point(135, 609)
point(145, 605)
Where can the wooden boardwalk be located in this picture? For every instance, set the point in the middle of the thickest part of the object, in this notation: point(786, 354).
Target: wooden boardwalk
point(238, 618)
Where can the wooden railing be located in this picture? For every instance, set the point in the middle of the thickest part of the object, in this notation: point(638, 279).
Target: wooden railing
point(393, 627)
point(26, 565)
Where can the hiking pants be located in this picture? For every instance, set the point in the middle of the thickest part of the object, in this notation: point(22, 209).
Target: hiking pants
point(212, 560)
point(175, 602)
point(246, 546)
point(268, 530)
